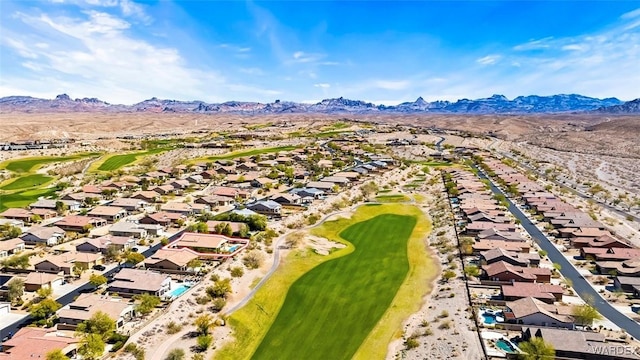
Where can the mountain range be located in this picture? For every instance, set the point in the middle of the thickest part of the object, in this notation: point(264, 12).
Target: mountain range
point(496, 104)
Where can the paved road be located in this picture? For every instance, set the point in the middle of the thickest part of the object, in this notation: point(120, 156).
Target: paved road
point(580, 285)
point(439, 143)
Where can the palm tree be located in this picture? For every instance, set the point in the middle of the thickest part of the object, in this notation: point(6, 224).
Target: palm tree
point(536, 349)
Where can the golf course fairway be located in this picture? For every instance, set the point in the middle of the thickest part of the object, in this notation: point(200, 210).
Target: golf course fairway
point(331, 309)
point(348, 304)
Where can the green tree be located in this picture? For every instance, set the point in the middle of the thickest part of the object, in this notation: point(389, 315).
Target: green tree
point(175, 354)
point(147, 303)
point(585, 314)
point(61, 208)
point(448, 275)
point(44, 309)
point(91, 346)
point(44, 292)
point(97, 280)
point(199, 227)
point(195, 263)
point(17, 261)
point(204, 323)
point(133, 257)
point(536, 349)
point(100, 324)
point(56, 355)
point(15, 289)
point(244, 231)
point(112, 253)
point(204, 341)
point(472, 270)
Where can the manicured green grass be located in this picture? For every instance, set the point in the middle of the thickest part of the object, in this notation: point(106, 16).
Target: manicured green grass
point(116, 162)
point(32, 163)
point(22, 199)
point(329, 134)
point(392, 198)
point(330, 310)
point(27, 181)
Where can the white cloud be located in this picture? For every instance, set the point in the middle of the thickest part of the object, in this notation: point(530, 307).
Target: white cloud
point(631, 14)
point(392, 85)
point(534, 44)
point(489, 59)
point(322, 85)
point(574, 47)
point(303, 57)
point(94, 55)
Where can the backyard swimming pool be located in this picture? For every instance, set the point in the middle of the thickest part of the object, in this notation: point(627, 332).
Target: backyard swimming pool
point(505, 346)
point(178, 291)
point(489, 319)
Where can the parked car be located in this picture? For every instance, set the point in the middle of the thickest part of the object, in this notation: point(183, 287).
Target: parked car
point(99, 267)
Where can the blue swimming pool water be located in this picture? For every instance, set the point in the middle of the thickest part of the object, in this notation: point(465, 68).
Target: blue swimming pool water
point(489, 318)
point(505, 346)
point(178, 291)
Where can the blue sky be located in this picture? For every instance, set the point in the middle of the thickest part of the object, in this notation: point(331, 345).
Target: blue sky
point(123, 51)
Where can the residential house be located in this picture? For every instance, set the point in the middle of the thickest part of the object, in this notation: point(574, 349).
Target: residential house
point(128, 229)
point(87, 305)
point(11, 247)
point(17, 214)
point(130, 204)
point(163, 218)
point(262, 182)
point(102, 243)
point(178, 208)
point(196, 179)
point(604, 241)
point(321, 185)
point(289, 199)
point(337, 180)
point(148, 196)
point(505, 272)
point(36, 343)
point(308, 192)
point(180, 184)
point(628, 284)
point(165, 189)
point(51, 204)
point(215, 201)
point(43, 235)
point(513, 258)
point(82, 197)
point(572, 344)
point(547, 293)
point(108, 213)
point(230, 192)
point(531, 311)
point(209, 246)
point(129, 282)
point(37, 280)
point(80, 223)
point(265, 207)
point(493, 234)
point(172, 260)
point(44, 214)
point(65, 262)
